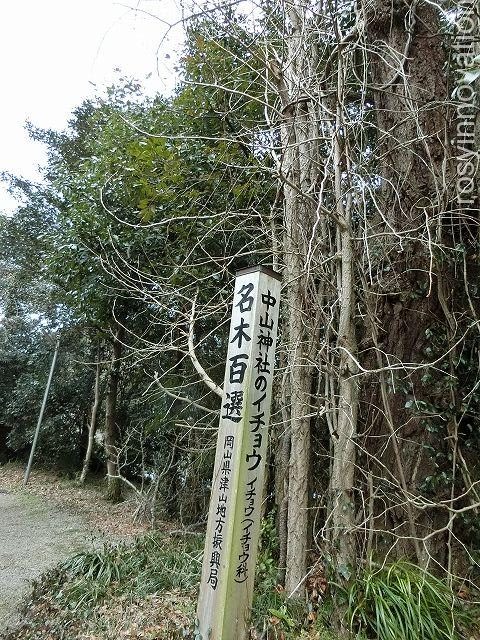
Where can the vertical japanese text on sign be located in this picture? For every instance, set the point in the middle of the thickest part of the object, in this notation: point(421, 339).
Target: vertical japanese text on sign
point(234, 517)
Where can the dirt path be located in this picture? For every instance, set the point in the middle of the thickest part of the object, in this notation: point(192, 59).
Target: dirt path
point(34, 536)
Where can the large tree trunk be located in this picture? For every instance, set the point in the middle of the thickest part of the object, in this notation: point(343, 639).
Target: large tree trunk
point(282, 457)
point(114, 490)
point(299, 463)
point(407, 61)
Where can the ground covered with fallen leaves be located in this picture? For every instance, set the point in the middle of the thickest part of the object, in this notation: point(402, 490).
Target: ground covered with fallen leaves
point(47, 616)
point(152, 617)
point(113, 520)
point(142, 585)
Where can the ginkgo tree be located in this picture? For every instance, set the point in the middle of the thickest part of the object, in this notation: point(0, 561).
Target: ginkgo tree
point(317, 140)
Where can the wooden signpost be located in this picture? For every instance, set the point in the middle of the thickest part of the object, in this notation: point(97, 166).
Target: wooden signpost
point(233, 528)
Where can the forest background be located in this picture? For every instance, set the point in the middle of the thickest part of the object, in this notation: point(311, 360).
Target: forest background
point(337, 143)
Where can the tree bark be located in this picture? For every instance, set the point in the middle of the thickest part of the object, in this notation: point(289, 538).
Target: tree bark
point(114, 489)
point(282, 457)
point(406, 64)
point(92, 427)
point(342, 480)
point(299, 175)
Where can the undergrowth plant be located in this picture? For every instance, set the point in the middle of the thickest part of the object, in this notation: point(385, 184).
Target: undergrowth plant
point(404, 602)
point(151, 564)
point(398, 602)
point(275, 615)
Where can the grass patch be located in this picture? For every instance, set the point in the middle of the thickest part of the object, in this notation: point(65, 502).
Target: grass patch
point(145, 589)
point(403, 601)
point(150, 565)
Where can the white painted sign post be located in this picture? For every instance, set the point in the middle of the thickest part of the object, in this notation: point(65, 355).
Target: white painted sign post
point(233, 528)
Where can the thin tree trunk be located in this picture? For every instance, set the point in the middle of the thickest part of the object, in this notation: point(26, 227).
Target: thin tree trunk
point(299, 172)
point(171, 474)
point(344, 447)
point(114, 490)
point(282, 456)
point(344, 452)
point(297, 218)
point(92, 427)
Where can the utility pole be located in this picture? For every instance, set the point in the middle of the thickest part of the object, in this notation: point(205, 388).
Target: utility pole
point(40, 417)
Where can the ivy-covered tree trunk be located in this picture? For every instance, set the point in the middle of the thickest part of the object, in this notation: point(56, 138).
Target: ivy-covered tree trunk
point(406, 299)
point(114, 490)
